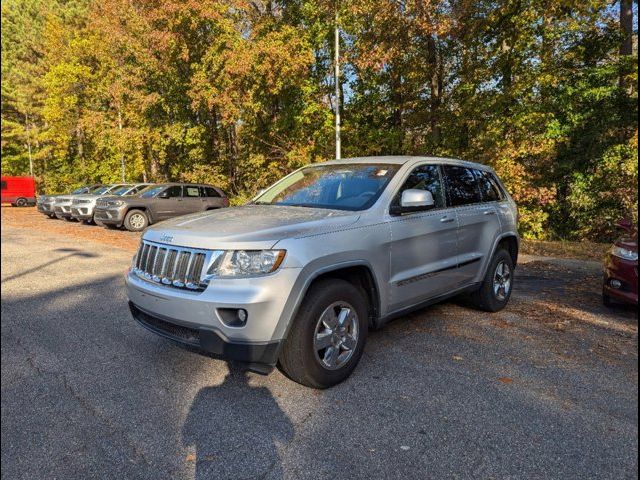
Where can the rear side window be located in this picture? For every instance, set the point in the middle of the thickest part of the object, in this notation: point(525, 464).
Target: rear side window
point(489, 187)
point(462, 186)
point(4, 185)
point(211, 192)
point(191, 192)
point(424, 177)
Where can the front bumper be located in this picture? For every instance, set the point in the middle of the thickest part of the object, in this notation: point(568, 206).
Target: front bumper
point(110, 216)
point(625, 272)
point(45, 208)
point(207, 340)
point(82, 213)
point(62, 211)
point(201, 313)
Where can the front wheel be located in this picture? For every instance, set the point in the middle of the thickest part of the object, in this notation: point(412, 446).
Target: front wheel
point(495, 291)
point(136, 221)
point(328, 335)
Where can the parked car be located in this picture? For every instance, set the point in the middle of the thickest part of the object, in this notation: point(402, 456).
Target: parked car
point(296, 277)
point(83, 206)
point(62, 205)
point(18, 191)
point(46, 203)
point(157, 203)
point(621, 268)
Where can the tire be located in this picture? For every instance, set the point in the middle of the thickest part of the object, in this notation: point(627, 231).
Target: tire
point(97, 222)
point(21, 202)
point(300, 360)
point(69, 219)
point(136, 220)
point(110, 226)
point(491, 297)
point(606, 300)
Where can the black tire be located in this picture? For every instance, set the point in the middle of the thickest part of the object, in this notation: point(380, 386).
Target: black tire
point(485, 298)
point(131, 220)
point(97, 222)
point(69, 219)
point(21, 202)
point(606, 300)
point(298, 360)
point(111, 226)
point(52, 216)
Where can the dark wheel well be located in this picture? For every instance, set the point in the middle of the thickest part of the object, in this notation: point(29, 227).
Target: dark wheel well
point(510, 244)
point(361, 277)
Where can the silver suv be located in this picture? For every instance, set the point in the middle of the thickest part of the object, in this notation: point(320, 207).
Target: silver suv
point(298, 276)
point(83, 206)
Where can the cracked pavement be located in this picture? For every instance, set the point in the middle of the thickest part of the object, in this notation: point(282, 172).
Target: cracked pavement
point(545, 389)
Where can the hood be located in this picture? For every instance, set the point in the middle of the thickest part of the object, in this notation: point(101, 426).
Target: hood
point(251, 226)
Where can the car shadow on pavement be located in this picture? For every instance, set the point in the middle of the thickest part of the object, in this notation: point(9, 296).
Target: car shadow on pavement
point(236, 430)
point(72, 252)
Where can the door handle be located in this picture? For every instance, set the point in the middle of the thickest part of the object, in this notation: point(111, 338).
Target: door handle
point(489, 212)
point(447, 219)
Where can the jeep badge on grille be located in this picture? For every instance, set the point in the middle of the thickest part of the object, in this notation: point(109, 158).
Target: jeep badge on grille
point(166, 238)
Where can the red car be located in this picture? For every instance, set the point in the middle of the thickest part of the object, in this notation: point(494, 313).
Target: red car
point(621, 268)
point(19, 191)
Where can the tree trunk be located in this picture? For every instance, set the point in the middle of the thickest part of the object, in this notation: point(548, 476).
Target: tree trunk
point(435, 84)
point(626, 25)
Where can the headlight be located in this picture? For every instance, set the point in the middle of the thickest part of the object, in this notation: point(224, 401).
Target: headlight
point(624, 253)
point(245, 263)
point(116, 203)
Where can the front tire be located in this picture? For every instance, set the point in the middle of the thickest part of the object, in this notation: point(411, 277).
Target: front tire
point(495, 291)
point(328, 335)
point(136, 220)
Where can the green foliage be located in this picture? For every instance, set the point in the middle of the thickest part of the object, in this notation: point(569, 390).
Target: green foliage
point(239, 93)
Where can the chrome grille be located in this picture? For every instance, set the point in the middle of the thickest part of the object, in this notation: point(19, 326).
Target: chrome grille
point(177, 267)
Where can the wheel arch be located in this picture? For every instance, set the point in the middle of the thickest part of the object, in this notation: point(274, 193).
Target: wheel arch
point(358, 272)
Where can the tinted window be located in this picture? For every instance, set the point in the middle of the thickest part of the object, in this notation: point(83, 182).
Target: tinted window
point(175, 191)
point(424, 177)
point(489, 187)
point(191, 191)
point(4, 185)
point(152, 191)
point(211, 192)
point(342, 186)
point(462, 186)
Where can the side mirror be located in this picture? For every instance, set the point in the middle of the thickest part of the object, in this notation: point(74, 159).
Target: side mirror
point(414, 200)
point(625, 224)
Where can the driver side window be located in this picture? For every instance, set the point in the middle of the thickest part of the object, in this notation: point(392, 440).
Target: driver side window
point(173, 192)
point(424, 177)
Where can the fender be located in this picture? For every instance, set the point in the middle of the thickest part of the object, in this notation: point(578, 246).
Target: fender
point(307, 276)
point(497, 241)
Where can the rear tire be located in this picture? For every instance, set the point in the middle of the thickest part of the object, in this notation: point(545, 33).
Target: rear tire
point(495, 291)
point(328, 335)
point(136, 220)
point(21, 202)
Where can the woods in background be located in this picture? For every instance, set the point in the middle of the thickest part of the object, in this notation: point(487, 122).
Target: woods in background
point(240, 92)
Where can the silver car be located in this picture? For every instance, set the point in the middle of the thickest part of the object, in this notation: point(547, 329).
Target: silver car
point(46, 203)
point(83, 206)
point(298, 276)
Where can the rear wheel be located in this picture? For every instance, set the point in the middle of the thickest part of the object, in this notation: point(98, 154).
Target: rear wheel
point(136, 220)
point(328, 335)
point(21, 202)
point(495, 291)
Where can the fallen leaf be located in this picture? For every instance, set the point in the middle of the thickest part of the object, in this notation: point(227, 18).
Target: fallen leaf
point(191, 457)
point(457, 358)
point(505, 380)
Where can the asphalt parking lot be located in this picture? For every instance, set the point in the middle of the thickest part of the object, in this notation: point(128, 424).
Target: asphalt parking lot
point(544, 389)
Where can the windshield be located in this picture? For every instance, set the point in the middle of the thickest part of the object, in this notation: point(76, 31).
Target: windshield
point(120, 190)
point(152, 191)
point(341, 187)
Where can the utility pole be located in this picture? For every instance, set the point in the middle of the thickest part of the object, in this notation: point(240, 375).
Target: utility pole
point(337, 81)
